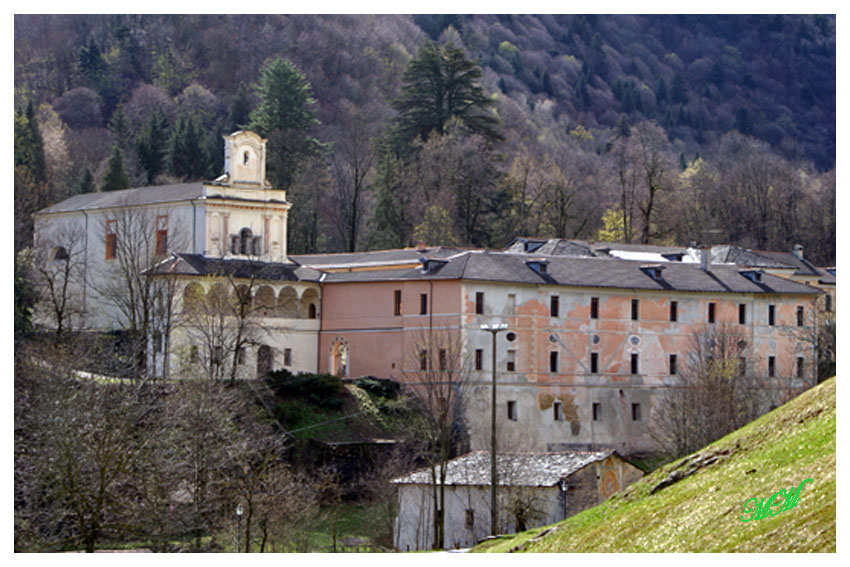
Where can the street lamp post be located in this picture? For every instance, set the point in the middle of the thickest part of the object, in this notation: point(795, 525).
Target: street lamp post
point(239, 512)
point(493, 329)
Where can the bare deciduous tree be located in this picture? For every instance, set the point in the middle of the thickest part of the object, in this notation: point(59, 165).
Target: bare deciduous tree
point(438, 377)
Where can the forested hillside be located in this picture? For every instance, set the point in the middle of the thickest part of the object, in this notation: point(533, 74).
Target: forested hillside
point(467, 130)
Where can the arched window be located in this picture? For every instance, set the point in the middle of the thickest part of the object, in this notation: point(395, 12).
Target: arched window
point(59, 254)
point(193, 297)
point(264, 301)
point(287, 303)
point(246, 157)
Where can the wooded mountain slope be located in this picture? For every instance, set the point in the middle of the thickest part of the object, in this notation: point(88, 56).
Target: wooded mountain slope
point(567, 92)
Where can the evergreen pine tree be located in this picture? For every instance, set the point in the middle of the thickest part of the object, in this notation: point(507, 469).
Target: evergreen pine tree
point(115, 178)
point(151, 142)
point(86, 184)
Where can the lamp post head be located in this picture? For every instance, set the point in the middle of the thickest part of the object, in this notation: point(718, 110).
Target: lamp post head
point(494, 327)
point(239, 510)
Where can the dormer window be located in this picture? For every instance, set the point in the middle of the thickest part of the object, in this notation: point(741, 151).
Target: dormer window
point(539, 266)
point(653, 271)
point(752, 275)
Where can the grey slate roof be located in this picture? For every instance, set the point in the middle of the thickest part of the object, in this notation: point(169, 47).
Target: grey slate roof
point(515, 469)
point(373, 258)
point(584, 272)
point(199, 265)
point(138, 196)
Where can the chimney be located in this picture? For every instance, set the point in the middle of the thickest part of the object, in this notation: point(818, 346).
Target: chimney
point(705, 258)
point(420, 246)
point(798, 251)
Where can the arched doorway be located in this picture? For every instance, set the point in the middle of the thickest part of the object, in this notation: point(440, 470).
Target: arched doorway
point(265, 360)
point(339, 358)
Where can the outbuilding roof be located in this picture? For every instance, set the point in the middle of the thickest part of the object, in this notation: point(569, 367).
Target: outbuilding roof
point(515, 469)
point(199, 265)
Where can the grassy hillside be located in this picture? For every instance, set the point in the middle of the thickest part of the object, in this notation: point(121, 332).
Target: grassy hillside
point(702, 511)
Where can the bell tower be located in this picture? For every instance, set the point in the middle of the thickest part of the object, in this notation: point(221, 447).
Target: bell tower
point(245, 159)
point(245, 215)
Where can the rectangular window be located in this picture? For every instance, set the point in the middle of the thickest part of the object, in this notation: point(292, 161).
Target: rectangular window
point(215, 356)
point(553, 361)
point(111, 239)
point(771, 315)
point(635, 358)
point(827, 303)
point(742, 314)
point(157, 341)
point(511, 304)
point(287, 357)
point(635, 309)
point(711, 312)
point(553, 306)
point(510, 364)
point(470, 519)
point(240, 355)
point(594, 362)
point(742, 366)
point(558, 411)
point(800, 315)
point(479, 303)
point(635, 412)
point(594, 308)
point(597, 411)
point(161, 235)
point(674, 311)
point(801, 367)
point(397, 302)
point(442, 358)
point(771, 366)
point(423, 359)
point(512, 411)
point(423, 304)
point(479, 359)
point(674, 360)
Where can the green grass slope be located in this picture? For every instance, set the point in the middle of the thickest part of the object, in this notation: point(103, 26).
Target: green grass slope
point(703, 511)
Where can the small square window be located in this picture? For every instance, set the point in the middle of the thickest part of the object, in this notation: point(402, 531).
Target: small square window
point(512, 410)
point(510, 363)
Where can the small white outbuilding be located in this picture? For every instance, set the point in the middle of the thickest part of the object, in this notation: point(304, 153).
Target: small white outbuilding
point(535, 489)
